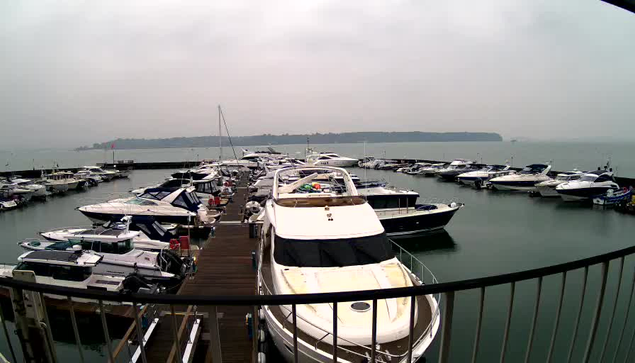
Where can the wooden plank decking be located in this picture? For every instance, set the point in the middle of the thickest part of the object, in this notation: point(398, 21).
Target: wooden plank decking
point(224, 267)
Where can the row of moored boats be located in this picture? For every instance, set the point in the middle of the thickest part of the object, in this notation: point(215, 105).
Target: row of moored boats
point(597, 186)
point(16, 191)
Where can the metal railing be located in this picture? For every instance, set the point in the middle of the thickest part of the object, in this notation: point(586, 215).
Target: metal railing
point(606, 321)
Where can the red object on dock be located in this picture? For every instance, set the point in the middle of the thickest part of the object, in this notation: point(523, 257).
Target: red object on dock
point(185, 242)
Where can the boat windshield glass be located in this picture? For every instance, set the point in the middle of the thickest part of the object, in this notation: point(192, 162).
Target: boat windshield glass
point(588, 177)
point(333, 253)
point(138, 201)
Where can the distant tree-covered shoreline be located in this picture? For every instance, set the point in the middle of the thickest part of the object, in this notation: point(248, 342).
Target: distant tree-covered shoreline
point(286, 139)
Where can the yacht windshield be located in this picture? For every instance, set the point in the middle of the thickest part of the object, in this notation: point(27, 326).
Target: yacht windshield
point(588, 177)
point(333, 253)
point(138, 201)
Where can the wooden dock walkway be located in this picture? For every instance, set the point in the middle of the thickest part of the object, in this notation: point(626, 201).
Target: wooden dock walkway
point(224, 267)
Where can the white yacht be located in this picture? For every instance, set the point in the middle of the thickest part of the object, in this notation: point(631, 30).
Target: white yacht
point(479, 178)
point(547, 188)
point(180, 206)
point(399, 213)
point(13, 191)
point(120, 256)
point(330, 159)
point(148, 234)
point(70, 269)
point(91, 178)
point(106, 175)
point(589, 185)
point(320, 236)
point(431, 170)
point(525, 180)
point(38, 190)
point(456, 167)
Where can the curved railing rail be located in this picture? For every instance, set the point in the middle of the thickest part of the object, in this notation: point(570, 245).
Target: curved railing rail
point(448, 289)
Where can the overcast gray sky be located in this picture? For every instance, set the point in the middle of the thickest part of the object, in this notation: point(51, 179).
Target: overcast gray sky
point(77, 72)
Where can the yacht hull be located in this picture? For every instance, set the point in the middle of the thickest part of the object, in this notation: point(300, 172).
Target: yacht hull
point(522, 186)
point(414, 222)
point(101, 217)
point(581, 194)
point(547, 191)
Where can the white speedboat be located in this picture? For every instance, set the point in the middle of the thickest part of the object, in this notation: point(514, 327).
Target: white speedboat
point(547, 188)
point(71, 269)
point(16, 192)
point(149, 234)
point(525, 180)
point(121, 258)
point(431, 170)
point(91, 178)
point(319, 237)
point(330, 159)
point(7, 204)
point(456, 167)
point(180, 206)
point(400, 214)
point(106, 175)
point(38, 190)
point(591, 184)
point(479, 178)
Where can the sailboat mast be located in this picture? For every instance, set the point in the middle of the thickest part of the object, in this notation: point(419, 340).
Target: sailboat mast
point(220, 136)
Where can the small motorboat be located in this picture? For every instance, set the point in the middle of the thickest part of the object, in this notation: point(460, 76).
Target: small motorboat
point(525, 180)
point(72, 269)
point(613, 197)
point(547, 188)
point(480, 178)
point(590, 185)
point(456, 167)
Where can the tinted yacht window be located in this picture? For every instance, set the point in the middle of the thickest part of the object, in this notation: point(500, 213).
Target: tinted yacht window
point(332, 253)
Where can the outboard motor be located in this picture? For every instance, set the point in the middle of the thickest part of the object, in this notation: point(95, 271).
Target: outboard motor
point(137, 283)
point(171, 262)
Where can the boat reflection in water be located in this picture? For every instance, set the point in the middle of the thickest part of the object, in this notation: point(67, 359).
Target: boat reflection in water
point(428, 242)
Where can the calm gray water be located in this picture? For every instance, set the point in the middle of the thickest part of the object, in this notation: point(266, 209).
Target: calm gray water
point(495, 233)
point(565, 155)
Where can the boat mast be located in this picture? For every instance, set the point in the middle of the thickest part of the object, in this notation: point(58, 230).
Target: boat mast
point(220, 137)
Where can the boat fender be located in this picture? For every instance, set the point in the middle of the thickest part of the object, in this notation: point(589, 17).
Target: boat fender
point(453, 205)
point(262, 358)
point(174, 244)
point(262, 335)
point(249, 324)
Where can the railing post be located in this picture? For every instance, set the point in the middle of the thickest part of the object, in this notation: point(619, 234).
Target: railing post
point(533, 321)
point(617, 297)
point(78, 341)
point(6, 334)
point(508, 323)
point(557, 323)
point(628, 311)
point(335, 332)
point(411, 327)
point(139, 333)
point(596, 316)
point(294, 311)
point(373, 351)
point(175, 332)
point(104, 326)
point(477, 335)
point(577, 320)
point(446, 331)
point(215, 346)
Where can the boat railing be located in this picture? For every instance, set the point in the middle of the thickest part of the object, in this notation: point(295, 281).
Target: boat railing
point(595, 294)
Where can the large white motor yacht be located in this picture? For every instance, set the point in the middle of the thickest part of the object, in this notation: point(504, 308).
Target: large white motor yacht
point(590, 185)
point(525, 180)
point(330, 159)
point(479, 178)
point(456, 167)
point(38, 190)
point(106, 175)
point(320, 236)
point(180, 206)
point(547, 188)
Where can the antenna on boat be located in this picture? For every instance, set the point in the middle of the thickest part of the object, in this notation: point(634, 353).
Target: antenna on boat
point(222, 116)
